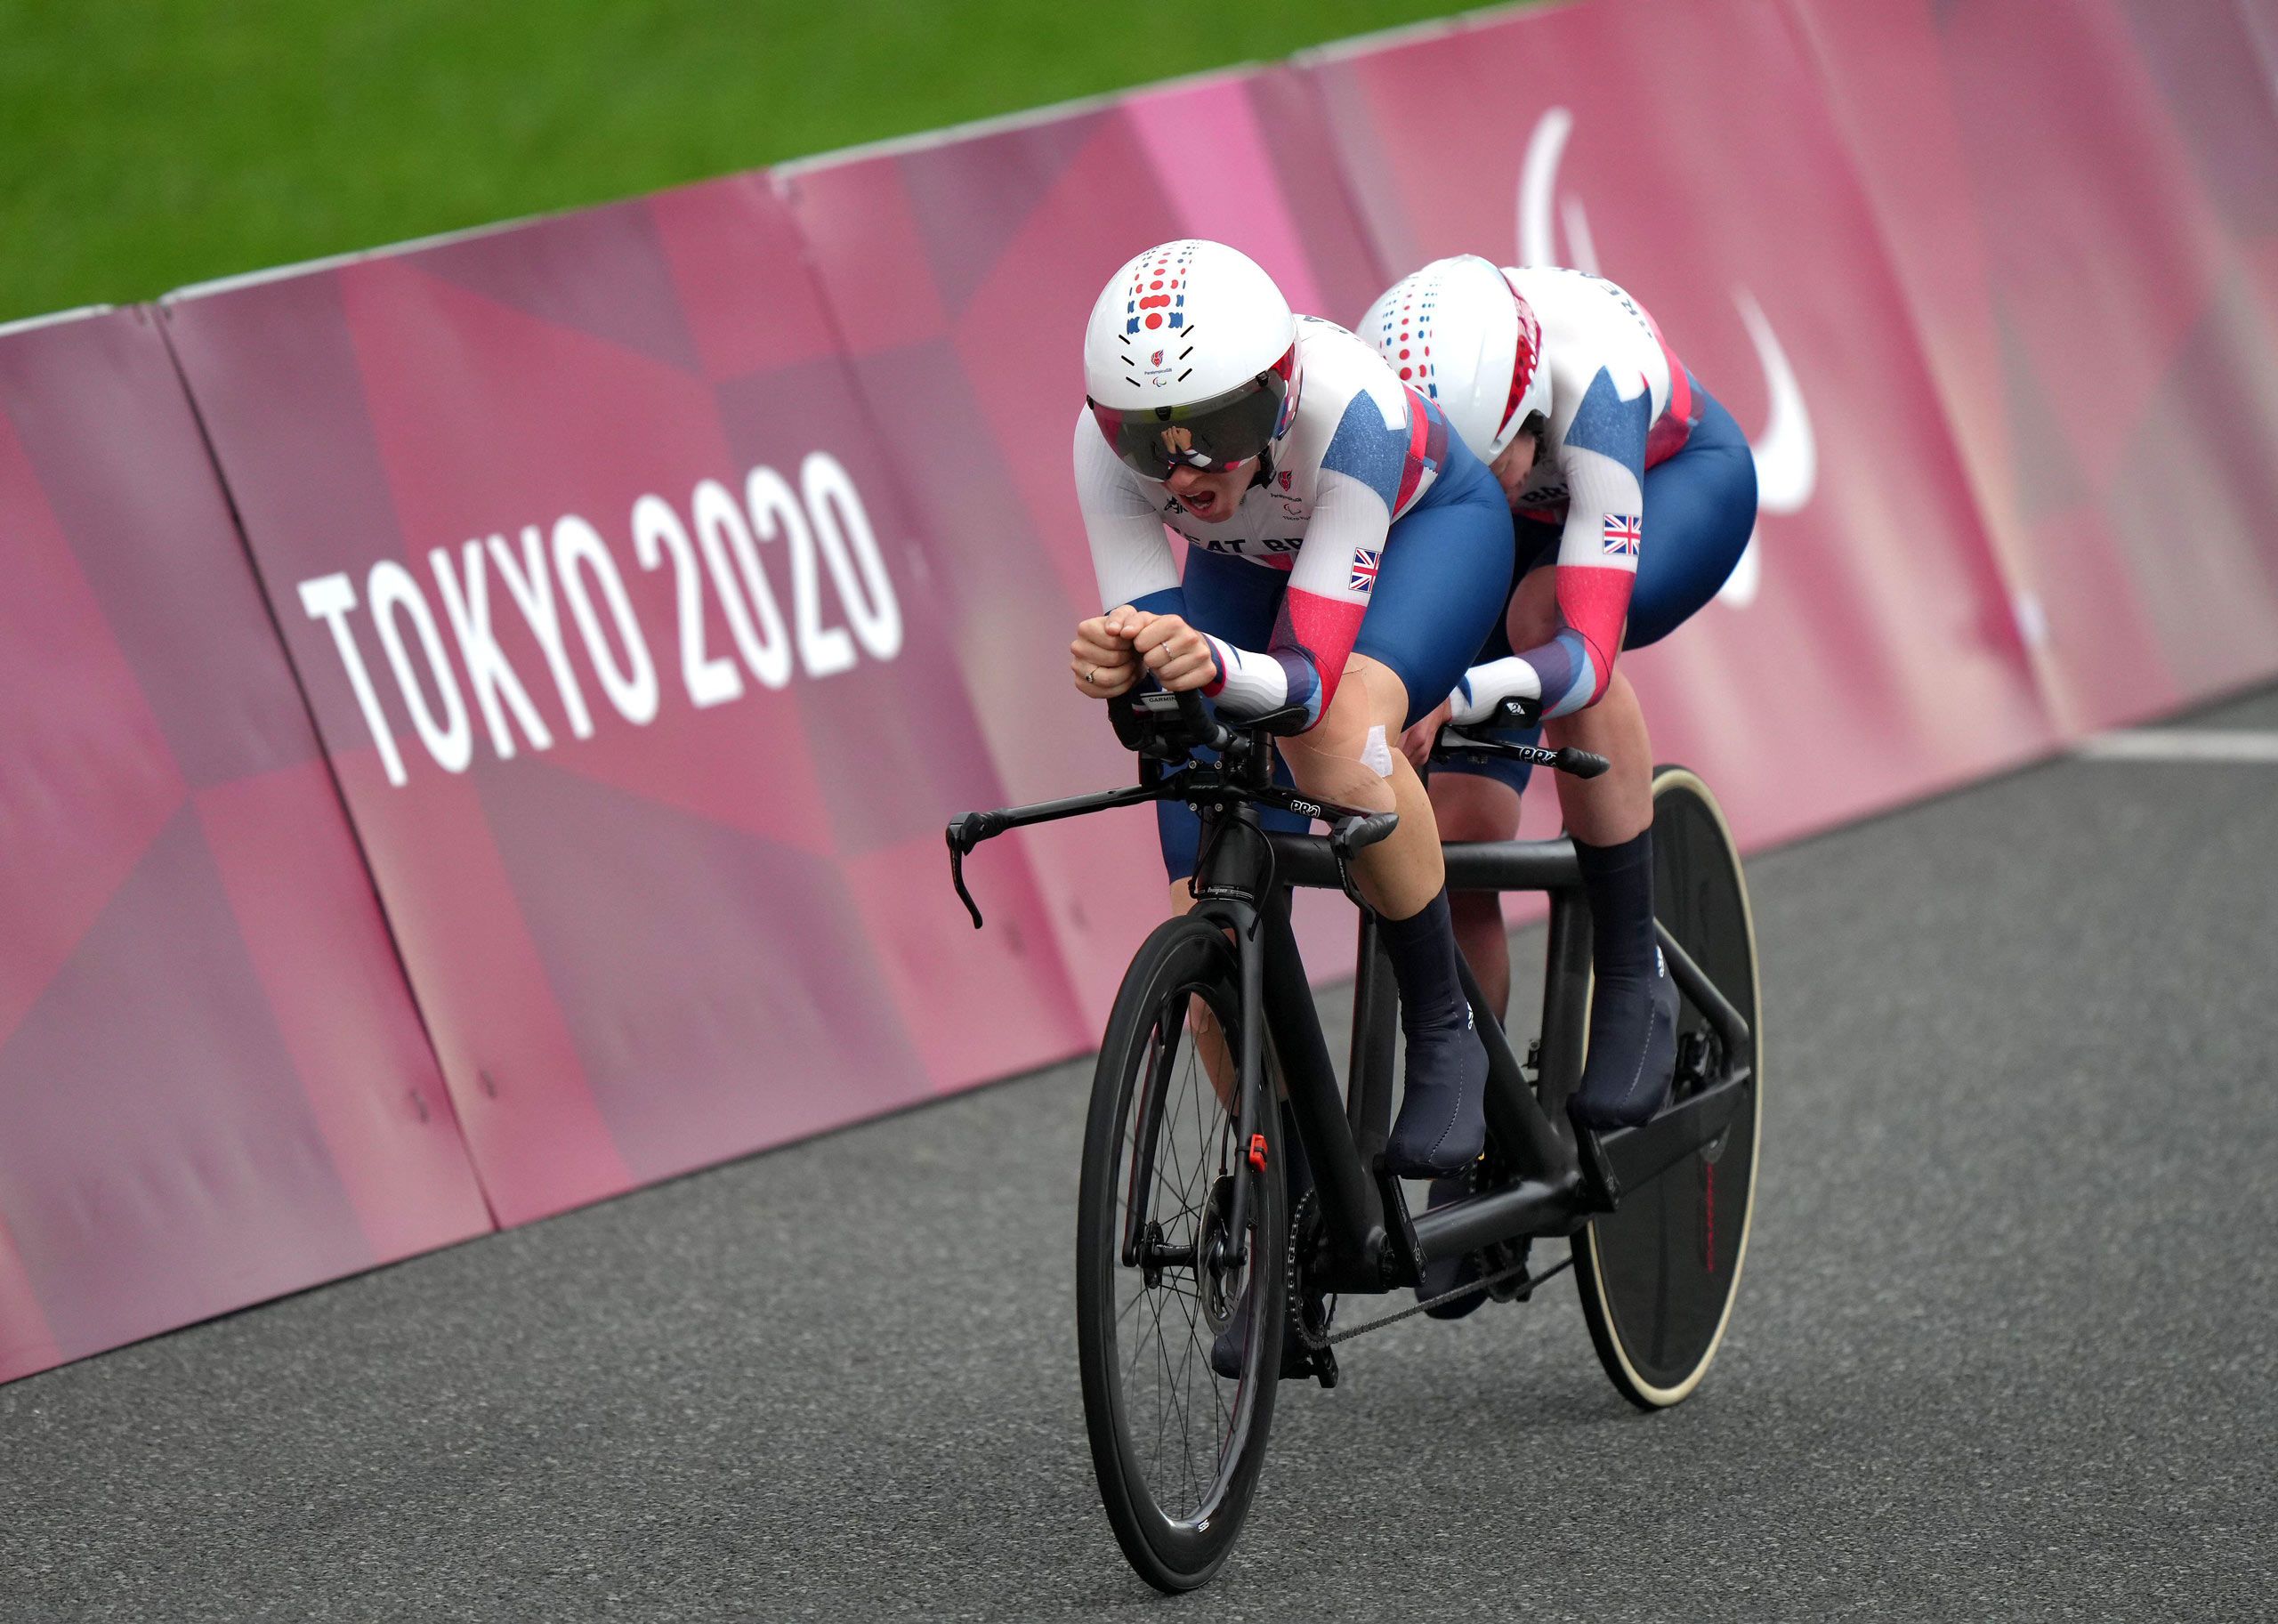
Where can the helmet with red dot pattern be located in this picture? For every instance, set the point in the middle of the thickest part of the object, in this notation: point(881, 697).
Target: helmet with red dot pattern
point(1459, 331)
point(1190, 356)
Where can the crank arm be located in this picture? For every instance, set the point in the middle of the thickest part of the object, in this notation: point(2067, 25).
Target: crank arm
point(1619, 1161)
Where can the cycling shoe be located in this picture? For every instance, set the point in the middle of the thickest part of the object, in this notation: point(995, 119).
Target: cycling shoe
point(1230, 1345)
point(1445, 1274)
point(1633, 1052)
point(1227, 1348)
point(1443, 1122)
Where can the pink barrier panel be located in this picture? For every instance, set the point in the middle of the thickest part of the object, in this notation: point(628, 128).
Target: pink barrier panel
point(959, 275)
point(661, 577)
point(618, 630)
point(214, 1086)
point(2082, 202)
point(1864, 652)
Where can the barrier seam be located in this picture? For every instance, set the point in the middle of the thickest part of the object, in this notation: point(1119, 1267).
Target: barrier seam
point(781, 187)
point(2014, 582)
point(161, 319)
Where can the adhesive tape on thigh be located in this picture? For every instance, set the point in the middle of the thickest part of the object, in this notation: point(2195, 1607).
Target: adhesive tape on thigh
point(1375, 755)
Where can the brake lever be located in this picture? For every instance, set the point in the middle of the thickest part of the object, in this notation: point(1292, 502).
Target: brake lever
point(1350, 836)
point(966, 833)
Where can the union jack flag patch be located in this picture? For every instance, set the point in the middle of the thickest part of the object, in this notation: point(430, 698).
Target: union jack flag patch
point(1364, 569)
point(1623, 531)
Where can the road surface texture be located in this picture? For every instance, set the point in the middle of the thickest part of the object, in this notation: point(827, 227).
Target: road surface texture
point(2006, 1346)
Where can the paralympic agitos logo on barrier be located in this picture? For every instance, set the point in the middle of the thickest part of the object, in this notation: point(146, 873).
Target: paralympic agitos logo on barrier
point(1787, 457)
point(824, 530)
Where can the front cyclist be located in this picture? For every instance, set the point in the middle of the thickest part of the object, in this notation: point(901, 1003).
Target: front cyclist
point(1632, 493)
point(1344, 553)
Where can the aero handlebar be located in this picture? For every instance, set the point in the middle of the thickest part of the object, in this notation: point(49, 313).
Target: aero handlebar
point(1476, 739)
point(1168, 728)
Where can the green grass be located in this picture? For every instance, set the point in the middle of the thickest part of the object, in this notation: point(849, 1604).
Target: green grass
point(149, 143)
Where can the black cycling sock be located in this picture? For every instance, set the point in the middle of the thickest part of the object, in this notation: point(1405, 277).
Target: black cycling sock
point(1422, 949)
point(1619, 881)
point(1632, 1009)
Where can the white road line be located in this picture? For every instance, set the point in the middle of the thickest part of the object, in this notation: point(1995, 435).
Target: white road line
point(2164, 744)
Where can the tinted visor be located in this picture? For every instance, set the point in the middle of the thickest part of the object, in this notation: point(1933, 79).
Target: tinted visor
point(1212, 435)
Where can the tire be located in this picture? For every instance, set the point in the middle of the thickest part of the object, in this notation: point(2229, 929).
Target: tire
point(1658, 1277)
point(1177, 1502)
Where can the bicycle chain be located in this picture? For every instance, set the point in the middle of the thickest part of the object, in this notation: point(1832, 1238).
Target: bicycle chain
point(1314, 1343)
point(1495, 1278)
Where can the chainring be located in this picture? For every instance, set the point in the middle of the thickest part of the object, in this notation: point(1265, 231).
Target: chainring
point(1313, 1315)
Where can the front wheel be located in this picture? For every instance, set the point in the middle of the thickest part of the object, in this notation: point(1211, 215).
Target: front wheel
point(1658, 1277)
point(1161, 1272)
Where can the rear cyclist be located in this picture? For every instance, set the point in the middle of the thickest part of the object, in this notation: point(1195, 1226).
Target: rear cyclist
point(1632, 493)
point(1345, 554)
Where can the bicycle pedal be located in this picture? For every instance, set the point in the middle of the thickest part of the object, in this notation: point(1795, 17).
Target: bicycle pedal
point(1298, 1361)
point(1601, 1186)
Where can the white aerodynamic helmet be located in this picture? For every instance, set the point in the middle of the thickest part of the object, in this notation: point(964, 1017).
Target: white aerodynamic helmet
point(1190, 356)
point(1458, 330)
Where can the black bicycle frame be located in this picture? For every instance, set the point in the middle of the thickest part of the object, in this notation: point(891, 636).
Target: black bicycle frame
point(1555, 1177)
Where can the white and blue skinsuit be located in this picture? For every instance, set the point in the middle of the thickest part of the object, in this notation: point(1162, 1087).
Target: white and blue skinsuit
point(1372, 531)
point(1642, 494)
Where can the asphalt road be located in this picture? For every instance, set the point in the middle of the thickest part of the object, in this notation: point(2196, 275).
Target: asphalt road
point(2006, 1346)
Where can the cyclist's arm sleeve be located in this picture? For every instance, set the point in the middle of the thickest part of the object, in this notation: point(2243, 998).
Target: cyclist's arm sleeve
point(1131, 553)
point(1361, 477)
point(1603, 459)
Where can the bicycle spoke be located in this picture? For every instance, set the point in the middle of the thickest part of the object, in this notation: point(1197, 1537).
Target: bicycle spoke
point(1185, 1421)
point(1175, 1151)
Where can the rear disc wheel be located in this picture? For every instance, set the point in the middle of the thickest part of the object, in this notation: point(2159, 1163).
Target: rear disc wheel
point(1657, 1278)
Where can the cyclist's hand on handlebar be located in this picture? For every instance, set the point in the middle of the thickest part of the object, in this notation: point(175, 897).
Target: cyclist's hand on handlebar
point(1415, 744)
point(1177, 654)
point(1100, 658)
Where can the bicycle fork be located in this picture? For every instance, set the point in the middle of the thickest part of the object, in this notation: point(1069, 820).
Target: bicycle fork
point(1250, 1138)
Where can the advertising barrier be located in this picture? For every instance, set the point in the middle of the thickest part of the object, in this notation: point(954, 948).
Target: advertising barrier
point(555, 803)
point(2080, 204)
point(214, 1086)
point(1864, 652)
point(624, 648)
point(959, 276)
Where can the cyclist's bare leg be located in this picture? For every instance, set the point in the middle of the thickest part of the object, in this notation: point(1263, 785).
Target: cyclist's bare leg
point(1353, 756)
point(1400, 873)
point(1618, 805)
point(1633, 1006)
point(1468, 807)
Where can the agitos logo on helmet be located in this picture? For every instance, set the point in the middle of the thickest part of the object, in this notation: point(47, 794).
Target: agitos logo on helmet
point(1190, 359)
